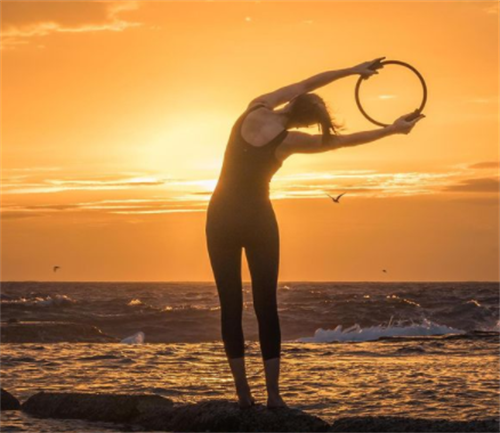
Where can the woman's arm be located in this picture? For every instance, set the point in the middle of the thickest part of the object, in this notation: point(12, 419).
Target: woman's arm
point(287, 93)
point(299, 142)
point(357, 138)
point(366, 69)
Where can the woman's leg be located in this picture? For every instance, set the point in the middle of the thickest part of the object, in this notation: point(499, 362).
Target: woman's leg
point(225, 258)
point(237, 366)
point(262, 251)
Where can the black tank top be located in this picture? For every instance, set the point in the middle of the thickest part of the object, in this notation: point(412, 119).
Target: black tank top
point(247, 169)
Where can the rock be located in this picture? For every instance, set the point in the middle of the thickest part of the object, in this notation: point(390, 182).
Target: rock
point(155, 413)
point(8, 401)
point(403, 424)
point(94, 407)
point(52, 332)
point(224, 416)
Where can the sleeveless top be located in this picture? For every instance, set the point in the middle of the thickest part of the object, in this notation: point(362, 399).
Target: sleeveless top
point(247, 170)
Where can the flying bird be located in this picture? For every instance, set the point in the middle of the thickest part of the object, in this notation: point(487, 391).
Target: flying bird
point(336, 199)
point(384, 271)
point(56, 268)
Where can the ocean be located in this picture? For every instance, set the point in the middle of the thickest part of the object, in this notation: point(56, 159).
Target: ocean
point(428, 350)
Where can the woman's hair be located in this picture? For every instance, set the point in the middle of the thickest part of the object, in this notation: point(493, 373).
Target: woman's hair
point(308, 109)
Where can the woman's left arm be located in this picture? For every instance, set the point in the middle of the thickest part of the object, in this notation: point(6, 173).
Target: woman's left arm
point(365, 69)
point(287, 93)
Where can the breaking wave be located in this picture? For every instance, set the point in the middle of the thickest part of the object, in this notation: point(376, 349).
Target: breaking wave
point(358, 334)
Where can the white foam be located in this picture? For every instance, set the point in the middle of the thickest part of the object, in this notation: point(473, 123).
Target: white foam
point(492, 328)
point(473, 301)
point(137, 338)
point(56, 300)
point(356, 333)
point(42, 302)
point(135, 302)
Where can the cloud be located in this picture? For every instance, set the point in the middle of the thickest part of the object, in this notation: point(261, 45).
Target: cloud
point(30, 169)
point(23, 21)
point(485, 165)
point(363, 183)
point(156, 193)
point(25, 185)
point(43, 207)
point(123, 206)
point(18, 215)
point(481, 100)
point(492, 9)
point(482, 200)
point(482, 185)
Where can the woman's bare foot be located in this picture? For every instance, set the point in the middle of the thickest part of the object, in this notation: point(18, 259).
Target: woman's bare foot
point(274, 402)
point(246, 401)
point(272, 372)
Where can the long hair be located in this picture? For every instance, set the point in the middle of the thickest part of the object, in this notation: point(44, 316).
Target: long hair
point(309, 109)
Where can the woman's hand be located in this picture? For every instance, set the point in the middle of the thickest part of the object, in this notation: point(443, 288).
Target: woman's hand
point(403, 126)
point(367, 69)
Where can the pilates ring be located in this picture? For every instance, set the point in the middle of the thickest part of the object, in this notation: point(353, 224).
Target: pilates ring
point(379, 65)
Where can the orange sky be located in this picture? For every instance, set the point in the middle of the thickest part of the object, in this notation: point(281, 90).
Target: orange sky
point(115, 116)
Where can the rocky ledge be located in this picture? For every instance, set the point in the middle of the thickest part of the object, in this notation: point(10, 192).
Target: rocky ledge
point(404, 424)
point(156, 413)
point(8, 401)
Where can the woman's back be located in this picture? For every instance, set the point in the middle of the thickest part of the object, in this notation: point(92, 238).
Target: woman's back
point(248, 169)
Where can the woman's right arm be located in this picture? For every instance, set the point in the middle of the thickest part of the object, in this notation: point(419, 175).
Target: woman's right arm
point(299, 142)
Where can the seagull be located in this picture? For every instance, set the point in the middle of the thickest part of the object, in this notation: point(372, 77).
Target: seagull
point(56, 268)
point(336, 200)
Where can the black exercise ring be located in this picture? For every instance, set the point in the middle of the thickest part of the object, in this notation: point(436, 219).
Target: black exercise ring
point(393, 62)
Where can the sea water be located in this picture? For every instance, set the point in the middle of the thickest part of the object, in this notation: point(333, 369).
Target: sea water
point(427, 350)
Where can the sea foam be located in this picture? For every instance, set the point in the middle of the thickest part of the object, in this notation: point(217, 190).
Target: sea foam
point(137, 338)
point(356, 333)
point(37, 301)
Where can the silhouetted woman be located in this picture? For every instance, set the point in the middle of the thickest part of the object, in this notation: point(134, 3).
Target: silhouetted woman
point(240, 214)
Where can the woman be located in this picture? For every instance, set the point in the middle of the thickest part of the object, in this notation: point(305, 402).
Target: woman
point(240, 214)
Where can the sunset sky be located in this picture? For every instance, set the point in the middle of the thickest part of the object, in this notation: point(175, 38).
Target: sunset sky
point(115, 116)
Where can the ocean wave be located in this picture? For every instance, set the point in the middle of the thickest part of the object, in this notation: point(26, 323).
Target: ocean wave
point(137, 338)
point(135, 302)
point(190, 312)
point(39, 301)
point(474, 302)
point(492, 328)
point(192, 307)
point(358, 334)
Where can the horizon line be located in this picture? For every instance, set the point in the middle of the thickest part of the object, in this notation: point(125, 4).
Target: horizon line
point(249, 281)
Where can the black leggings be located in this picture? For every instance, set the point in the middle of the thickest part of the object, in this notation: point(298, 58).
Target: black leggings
point(231, 226)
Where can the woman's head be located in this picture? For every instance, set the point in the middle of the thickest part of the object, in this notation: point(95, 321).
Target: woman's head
point(310, 109)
